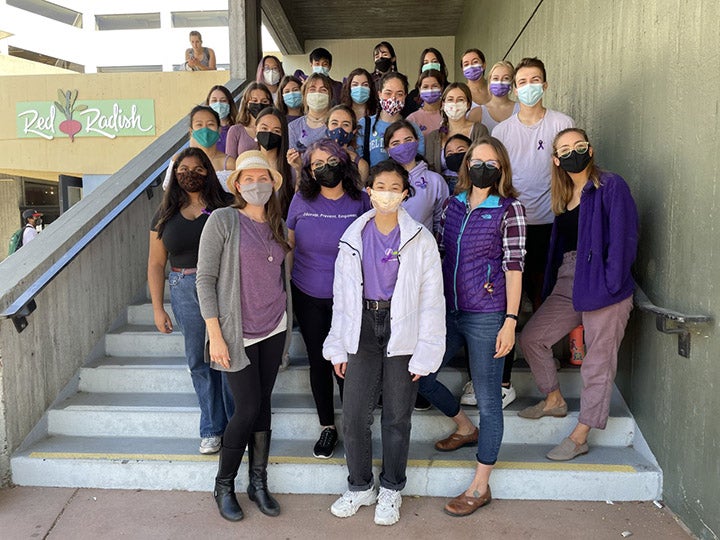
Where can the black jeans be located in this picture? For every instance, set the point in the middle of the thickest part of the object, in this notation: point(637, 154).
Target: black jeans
point(368, 372)
point(314, 316)
point(251, 389)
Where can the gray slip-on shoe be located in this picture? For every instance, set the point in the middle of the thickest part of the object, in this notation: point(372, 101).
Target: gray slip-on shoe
point(538, 411)
point(567, 450)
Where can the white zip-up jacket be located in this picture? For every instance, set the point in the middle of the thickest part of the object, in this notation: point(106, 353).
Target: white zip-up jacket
point(417, 309)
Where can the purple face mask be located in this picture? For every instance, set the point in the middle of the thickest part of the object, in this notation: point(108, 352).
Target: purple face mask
point(473, 72)
point(500, 89)
point(404, 153)
point(431, 96)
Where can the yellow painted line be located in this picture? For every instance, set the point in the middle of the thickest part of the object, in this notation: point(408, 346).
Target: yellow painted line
point(296, 460)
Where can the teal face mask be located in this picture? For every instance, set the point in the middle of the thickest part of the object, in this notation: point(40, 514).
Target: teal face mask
point(206, 137)
point(223, 109)
point(431, 65)
point(530, 94)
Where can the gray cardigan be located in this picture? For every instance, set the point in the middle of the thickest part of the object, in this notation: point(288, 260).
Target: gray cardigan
point(218, 285)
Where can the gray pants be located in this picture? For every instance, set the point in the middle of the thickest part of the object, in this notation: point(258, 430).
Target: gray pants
point(368, 372)
point(604, 330)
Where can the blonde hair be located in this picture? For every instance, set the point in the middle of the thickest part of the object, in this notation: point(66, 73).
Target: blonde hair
point(504, 188)
point(561, 185)
point(502, 63)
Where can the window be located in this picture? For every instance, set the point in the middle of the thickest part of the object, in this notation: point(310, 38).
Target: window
point(128, 21)
point(37, 193)
point(49, 10)
point(199, 19)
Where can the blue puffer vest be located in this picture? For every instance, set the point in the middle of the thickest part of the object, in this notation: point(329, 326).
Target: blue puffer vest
point(473, 255)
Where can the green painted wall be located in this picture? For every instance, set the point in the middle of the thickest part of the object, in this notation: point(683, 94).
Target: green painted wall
point(643, 78)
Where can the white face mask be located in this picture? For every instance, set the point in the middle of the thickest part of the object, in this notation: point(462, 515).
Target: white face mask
point(386, 202)
point(271, 76)
point(455, 111)
point(317, 101)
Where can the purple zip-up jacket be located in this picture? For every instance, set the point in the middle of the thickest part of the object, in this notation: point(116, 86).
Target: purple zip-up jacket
point(606, 248)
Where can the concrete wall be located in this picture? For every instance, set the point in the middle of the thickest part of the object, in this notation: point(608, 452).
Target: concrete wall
point(640, 77)
point(9, 213)
point(349, 54)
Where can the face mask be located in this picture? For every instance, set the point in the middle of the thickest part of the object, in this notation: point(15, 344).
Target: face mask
point(455, 111)
point(317, 101)
point(360, 94)
point(38, 222)
point(293, 99)
point(383, 64)
point(205, 137)
point(453, 161)
point(321, 69)
point(339, 135)
point(257, 193)
point(268, 140)
point(223, 109)
point(271, 76)
point(473, 72)
point(430, 96)
point(404, 153)
point(328, 175)
point(190, 181)
point(530, 94)
point(431, 65)
point(255, 108)
point(386, 202)
point(500, 89)
point(392, 106)
point(483, 176)
point(575, 162)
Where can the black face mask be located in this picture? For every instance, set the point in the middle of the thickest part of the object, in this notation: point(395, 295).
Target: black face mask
point(483, 176)
point(255, 108)
point(268, 140)
point(453, 161)
point(383, 64)
point(329, 176)
point(575, 162)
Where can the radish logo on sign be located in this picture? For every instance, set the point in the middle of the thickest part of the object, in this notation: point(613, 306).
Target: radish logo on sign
point(85, 118)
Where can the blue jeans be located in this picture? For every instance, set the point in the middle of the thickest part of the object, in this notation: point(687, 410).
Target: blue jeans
point(214, 397)
point(479, 331)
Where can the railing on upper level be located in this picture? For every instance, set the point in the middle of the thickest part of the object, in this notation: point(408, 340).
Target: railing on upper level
point(151, 163)
point(668, 321)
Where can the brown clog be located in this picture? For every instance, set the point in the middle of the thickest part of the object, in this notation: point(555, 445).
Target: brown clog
point(455, 441)
point(462, 505)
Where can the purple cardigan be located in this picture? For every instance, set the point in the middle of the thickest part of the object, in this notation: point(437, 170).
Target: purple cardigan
point(606, 248)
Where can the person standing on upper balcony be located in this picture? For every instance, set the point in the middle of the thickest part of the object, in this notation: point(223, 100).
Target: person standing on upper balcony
point(197, 57)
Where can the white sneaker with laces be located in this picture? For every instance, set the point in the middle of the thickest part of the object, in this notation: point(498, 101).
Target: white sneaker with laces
point(387, 511)
point(351, 501)
point(210, 445)
point(468, 395)
point(508, 395)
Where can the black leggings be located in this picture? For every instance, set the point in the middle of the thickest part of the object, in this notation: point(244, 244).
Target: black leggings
point(314, 316)
point(251, 389)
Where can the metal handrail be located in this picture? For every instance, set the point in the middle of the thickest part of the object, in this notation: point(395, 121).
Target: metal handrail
point(24, 304)
point(669, 321)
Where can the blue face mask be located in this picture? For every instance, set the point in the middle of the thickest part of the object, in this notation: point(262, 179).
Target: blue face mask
point(206, 137)
point(339, 135)
point(293, 99)
point(223, 109)
point(530, 94)
point(321, 69)
point(360, 94)
point(431, 65)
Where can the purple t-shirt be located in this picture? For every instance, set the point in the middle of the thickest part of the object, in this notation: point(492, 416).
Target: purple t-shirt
point(380, 261)
point(318, 226)
point(263, 300)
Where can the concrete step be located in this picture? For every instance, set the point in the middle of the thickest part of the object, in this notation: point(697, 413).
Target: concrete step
point(166, 291)
point(522, 471)
point(166, 415)
point(142, 314)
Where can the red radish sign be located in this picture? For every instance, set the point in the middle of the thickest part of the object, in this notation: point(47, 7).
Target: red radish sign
point(68, 117)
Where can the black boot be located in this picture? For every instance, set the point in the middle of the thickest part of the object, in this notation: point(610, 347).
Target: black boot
point(224, 493)
point(258, 452)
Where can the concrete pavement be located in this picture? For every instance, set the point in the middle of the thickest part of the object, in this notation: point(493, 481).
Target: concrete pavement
point(60, 513)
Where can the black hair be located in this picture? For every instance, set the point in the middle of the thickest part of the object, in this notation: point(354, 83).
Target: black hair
point(393, 75)
point(310, 188)
point(175, 197)
point(197, 108)
point(390, 49)
point(441, 61)
point(320, 54)
point(372, 103)
point(231, 101)
point(460, 137)
point(391, 166)
point(287, 79)
point(396, 126)
point(287, 190)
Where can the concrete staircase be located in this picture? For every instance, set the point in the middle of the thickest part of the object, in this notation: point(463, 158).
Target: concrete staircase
point(130, 421)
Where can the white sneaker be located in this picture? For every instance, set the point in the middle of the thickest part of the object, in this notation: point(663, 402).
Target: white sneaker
point(387, 511)
point(351, 501)
point(468, 396)
point(508, 395)
point(210, 445)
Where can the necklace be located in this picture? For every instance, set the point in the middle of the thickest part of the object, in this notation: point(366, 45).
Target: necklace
point(258, 234)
